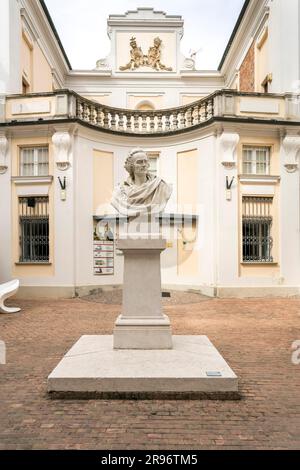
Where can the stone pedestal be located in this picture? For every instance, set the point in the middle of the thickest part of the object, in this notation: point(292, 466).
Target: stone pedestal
point(142, 324)
point(139, 359)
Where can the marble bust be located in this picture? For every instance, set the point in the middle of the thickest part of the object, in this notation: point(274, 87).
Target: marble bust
point(142, 193)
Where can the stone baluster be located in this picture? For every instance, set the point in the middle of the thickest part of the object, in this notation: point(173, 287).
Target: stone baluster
point(86, 112)
point(175, 121)
point(128, 122)
point(121, 122)
point(202, 112)
point(195, 115)
point(159, 122)
point(209, 109)
point(79, 109)
point(106, 118)
point(113, 120)
point(93, 115)
point(144, 122)
point(189, 117)
point(136, 122)
point(167, 122)
point(152, 123)
point(181, 116)
point(99, 118)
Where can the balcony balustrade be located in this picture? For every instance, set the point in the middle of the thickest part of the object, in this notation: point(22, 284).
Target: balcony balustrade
point(222, 104)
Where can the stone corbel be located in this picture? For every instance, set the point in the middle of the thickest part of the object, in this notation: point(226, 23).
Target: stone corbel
point(228, 144)
point(291, 146)
point(62, 145)
point(3, 152)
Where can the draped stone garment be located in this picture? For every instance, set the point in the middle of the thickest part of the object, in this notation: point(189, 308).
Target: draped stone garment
point(151, 197)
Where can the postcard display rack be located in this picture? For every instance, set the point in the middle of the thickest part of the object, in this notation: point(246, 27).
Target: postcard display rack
point(103, 257)
point(103, 250)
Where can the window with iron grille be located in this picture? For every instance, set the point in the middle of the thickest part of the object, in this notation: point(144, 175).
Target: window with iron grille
point(34, 161)
point(257, 223)
point(256, 160)
point(34, 229)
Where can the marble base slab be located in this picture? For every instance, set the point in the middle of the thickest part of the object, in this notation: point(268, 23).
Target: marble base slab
point(92, 368)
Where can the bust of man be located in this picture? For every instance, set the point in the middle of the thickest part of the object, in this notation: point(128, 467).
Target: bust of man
point(141, 193)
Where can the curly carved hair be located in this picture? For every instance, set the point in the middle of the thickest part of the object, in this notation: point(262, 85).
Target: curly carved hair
point(130, 161)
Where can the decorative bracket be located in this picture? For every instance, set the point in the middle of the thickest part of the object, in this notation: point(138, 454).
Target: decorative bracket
point(228, 143)
point(291, 146)
point(3, 151)
point(63, 166)
point(62, 144)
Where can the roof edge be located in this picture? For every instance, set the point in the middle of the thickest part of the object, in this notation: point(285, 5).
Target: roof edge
point(54, 30)
point(233, 34)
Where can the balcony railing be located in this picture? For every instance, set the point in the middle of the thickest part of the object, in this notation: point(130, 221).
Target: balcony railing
point(68, 105)
point(145, 122)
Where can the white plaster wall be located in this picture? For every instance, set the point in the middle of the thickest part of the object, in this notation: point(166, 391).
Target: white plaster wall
point(227, 222)
point(171, 90)
point(10, 43)
point(284, 45)
point(289, 210)
point(6, 223)
point(85, 144)
point(168, 171)
point(84, 211)
point(207, 207)
point(64, 223)
point(218, 229)
point(64, 256)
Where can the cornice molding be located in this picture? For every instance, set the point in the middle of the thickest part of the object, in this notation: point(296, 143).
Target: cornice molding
point(22, 180)
point(145, 16)
point(28, 25)
point(262, 179)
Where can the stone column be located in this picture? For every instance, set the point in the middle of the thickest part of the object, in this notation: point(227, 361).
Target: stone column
point(142, 324)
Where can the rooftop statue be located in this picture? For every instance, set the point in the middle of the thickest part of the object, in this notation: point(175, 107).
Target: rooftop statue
point(141, 193)
point(136, 56)
point(154, 55)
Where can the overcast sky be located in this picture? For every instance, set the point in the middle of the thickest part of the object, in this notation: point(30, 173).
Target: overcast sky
point(81, 25)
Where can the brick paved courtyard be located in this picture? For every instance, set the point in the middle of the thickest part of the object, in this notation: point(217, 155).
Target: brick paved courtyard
point(254, 336)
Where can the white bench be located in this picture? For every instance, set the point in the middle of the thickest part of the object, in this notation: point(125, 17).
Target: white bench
point(7, 290)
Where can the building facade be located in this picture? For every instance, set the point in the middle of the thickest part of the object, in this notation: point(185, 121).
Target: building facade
point(227, 140)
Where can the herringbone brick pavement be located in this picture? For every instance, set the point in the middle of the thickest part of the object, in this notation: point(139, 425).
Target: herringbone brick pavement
point(254, 336)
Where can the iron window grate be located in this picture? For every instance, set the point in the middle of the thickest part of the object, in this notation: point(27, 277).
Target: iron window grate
point(257, 223)
point(34, 229)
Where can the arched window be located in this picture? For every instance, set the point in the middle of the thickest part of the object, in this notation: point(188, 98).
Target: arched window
point(145, 105)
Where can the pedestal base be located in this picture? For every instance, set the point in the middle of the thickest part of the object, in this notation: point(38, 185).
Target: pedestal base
point(142, 333)
point(92, 368)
